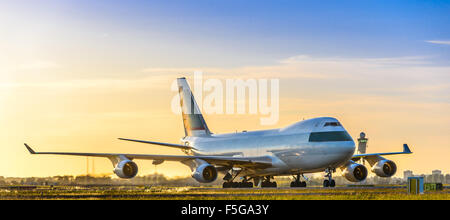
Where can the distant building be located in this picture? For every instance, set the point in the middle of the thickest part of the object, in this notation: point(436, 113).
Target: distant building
point(436, 176)
point(429, 179)
point(436, 172)
point(406, 174)
point(447, 179)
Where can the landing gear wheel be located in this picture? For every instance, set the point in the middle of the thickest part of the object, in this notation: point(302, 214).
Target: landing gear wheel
point(302, 184)
point(226, 185)
point(229, 180)
point(332, 183)
point(297, 182)
point(268, 184)
point(243, 184)
point(329, 182)
point(246, 185)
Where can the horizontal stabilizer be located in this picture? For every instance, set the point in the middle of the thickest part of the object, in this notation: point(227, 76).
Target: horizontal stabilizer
point(159, 143)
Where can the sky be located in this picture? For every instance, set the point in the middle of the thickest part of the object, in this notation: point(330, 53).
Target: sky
point(76, 75)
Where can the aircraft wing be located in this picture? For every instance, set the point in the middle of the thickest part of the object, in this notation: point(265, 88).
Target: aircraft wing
point(244, 162)
point(357, 157)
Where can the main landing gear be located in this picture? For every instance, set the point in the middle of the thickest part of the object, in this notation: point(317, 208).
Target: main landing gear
point(237, 184)
point(297, 182)
point(230, 184)
point(330, 181)
point(229, 181)
point(266, 183)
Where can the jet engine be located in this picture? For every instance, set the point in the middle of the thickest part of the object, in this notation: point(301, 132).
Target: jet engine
point(126, 169)
point(384, 168)
point(355, 172)
point(205, 173)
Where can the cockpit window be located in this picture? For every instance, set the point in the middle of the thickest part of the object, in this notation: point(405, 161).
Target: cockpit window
point(333, 124)
point(329, 136)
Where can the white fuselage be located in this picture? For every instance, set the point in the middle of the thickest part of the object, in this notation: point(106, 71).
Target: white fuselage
point(307, 146)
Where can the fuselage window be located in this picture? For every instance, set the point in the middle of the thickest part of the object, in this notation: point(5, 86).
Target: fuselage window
point(329, 136)
point(334, 124)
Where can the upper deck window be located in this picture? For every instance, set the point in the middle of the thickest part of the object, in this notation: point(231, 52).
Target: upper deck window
point(333, 124)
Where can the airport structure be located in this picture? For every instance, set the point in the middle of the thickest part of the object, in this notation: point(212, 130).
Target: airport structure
point(415, 185)
point(362, 143)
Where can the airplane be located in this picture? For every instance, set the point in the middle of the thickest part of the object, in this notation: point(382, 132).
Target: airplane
point(256, 157)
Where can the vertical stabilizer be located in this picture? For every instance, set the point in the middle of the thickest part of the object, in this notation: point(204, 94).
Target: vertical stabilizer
point(194, 123)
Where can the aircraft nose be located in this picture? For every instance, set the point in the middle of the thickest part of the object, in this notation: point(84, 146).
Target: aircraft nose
point(349, 149)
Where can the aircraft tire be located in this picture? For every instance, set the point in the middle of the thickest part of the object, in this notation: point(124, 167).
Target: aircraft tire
point(298, 184)
point(269, 184)
point(226, 185)
point(326, 183)
point(245, 185)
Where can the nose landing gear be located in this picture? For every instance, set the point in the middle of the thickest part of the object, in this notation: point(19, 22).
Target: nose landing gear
point(330, 181)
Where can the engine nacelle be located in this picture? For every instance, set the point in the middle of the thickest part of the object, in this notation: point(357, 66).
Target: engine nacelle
point(355, 172)
point(384, 168)
point(126, 169)
point(205, 173)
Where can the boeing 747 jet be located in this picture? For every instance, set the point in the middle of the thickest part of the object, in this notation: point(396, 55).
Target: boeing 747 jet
point(308, 146)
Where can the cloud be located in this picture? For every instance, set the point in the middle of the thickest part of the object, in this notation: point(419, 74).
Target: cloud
point(444, 42)
point(414, 60)
point(408, 76)
point(304, 67)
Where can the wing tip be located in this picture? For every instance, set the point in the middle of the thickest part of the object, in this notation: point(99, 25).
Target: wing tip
point(29, 149)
